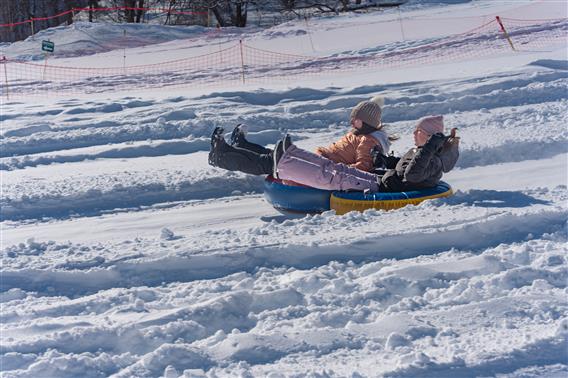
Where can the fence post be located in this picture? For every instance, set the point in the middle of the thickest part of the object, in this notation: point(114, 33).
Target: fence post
point(309, 33)
point(4, 62)
point(505, 33)
point(32, 25)
point(400, 22)
point(242, 59)
point(124, 51)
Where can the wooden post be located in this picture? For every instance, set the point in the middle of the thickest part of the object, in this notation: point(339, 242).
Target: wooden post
point(309, 33)
point(242, 59)
point(505, 33)
point(5, 63)
point(217, 32)
point(400, 22)
point(32, 25)
point(124, 51)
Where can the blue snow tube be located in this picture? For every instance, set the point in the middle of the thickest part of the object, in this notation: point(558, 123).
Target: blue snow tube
point(295, 199)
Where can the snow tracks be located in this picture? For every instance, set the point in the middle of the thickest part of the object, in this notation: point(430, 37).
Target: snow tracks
point(124, 254)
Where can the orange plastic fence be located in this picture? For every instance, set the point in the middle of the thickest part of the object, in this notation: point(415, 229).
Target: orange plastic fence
point(242, 62)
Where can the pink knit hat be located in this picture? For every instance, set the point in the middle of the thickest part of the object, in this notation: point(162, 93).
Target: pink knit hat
point(431, 124)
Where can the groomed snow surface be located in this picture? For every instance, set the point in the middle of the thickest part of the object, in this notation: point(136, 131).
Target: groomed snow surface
point(125, 255)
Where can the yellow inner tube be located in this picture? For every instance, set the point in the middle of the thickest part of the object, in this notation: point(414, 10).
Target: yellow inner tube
point(343, 206)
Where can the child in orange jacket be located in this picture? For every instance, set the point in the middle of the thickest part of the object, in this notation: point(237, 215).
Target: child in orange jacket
point(353, 149)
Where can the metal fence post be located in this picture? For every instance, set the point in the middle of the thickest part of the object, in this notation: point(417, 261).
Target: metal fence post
point(505, 33)
point(4, 62)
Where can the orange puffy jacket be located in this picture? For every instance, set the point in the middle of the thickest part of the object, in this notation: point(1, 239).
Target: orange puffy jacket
point(353, 150)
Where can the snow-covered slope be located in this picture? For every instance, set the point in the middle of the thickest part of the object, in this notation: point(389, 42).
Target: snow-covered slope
point(124, 254)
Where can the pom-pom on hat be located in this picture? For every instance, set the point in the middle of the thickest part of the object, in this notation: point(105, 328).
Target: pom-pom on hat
point(369, 111)
point(431, 124)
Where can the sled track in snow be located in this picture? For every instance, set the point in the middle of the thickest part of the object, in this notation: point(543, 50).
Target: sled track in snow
point(494, 225)
point(531, 134)
point(172, 128)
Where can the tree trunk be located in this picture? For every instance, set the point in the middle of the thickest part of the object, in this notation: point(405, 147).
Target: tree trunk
point(21, 10)
point(92, 4)
point(241, 15)
point(219, 16)
point(69, 5)
point(140, 12)
point(129, 12)
point(170, 6)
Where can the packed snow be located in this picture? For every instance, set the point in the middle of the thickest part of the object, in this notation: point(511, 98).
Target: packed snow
point(125, 254)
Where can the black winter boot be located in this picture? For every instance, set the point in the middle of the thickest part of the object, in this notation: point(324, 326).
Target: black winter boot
point(223, 155)
point(238, 139)
point(238, 134)
point(217, 143)
point(276, 155)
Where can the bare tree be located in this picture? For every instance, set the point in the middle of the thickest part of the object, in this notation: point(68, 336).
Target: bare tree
point(229, 12)
point(140, 12)
point(15, 11)
point(92, 5)
point(179, 12)
point(241, 12)
point(129, 13)
point(288, 5)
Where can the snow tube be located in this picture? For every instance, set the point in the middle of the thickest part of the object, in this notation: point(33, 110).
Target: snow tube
point(295, 199)
point(344, 202)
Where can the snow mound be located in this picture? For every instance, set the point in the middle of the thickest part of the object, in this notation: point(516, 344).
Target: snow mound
point(85, 38)
point(552, 64)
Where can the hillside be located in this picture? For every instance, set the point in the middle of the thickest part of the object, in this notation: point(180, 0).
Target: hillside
point(125, 254)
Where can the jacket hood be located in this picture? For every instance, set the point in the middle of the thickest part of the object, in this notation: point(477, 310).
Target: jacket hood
point(383, 139)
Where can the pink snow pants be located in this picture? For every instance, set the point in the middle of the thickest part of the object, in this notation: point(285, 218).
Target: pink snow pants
point(316, 171)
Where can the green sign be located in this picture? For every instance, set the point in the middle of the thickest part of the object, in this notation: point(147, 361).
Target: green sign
point(47, 46)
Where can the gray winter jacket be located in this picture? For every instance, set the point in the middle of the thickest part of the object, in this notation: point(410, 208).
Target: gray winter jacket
point(421, 167)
